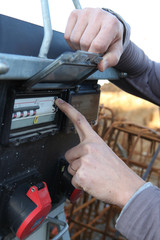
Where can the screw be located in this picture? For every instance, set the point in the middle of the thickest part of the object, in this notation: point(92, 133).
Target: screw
point(32, 189)
point(123, 75)
point(4, 68)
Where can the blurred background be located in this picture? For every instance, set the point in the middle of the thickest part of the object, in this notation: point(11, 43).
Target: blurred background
point(129, 125)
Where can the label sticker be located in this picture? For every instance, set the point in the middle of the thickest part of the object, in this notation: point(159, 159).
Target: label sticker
point(35, 119)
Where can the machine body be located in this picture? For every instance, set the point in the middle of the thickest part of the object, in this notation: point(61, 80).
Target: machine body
point(34, 134)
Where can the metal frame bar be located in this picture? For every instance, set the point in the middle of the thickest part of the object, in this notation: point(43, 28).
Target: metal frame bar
point(57, 217)
point(77, 4)
point(24, 67)
point(48, 33)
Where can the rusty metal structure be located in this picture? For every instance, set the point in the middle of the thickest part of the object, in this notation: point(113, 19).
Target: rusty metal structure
point(90, 218)
point(138, 146)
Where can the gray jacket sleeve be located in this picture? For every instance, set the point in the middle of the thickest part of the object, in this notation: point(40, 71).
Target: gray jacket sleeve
point(143, 75)
point(143, 78)
point(141, 219)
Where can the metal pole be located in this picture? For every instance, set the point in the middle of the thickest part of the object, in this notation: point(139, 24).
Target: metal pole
point(77, 4)
point(48, 33)
point(149, 168)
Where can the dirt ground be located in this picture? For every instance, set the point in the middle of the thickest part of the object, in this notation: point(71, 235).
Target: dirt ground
point(129, 107)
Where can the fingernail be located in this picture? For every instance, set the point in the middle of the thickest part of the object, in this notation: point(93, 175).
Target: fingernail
point(59, 100)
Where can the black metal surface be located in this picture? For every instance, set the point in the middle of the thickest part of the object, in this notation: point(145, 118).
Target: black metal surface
point(20, 206)
point(33, 154)
point(23, 38)
point(35, 159)
point(32, 162)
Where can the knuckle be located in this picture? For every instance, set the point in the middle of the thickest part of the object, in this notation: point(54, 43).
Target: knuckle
point(114, 22)
point(81, 176)
point(98, 12)
point(84, 43)
point(99, 46)
point(66, 36)
point(80, 119)
point(87, 148)
point(82, 180)
point(74, 39)
point(74, 13)
point(74, 183)
point(113, 26)
point(86, 11)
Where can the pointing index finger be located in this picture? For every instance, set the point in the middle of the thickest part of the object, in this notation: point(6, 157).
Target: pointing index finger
point(81, 125)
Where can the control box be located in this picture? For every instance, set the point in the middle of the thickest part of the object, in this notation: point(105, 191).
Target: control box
point(30, 117)
point(33, 111)
point(34, 133)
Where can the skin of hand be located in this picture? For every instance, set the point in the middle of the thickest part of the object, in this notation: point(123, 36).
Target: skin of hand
point(95, 167)
point(96, 30)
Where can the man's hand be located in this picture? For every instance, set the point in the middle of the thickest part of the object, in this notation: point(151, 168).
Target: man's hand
point(95, 30)
point(95, 167)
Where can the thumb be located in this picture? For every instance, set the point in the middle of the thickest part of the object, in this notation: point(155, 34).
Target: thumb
point(111, 58)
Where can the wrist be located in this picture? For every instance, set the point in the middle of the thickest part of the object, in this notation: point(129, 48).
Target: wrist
point(126, 27)
point(129, 193)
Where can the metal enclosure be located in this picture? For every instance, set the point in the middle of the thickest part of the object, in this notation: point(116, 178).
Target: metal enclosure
point(34, 134)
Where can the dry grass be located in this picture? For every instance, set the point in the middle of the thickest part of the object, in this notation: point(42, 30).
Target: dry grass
point(129, 107)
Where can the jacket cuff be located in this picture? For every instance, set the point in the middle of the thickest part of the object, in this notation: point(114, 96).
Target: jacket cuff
point(127, 29)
